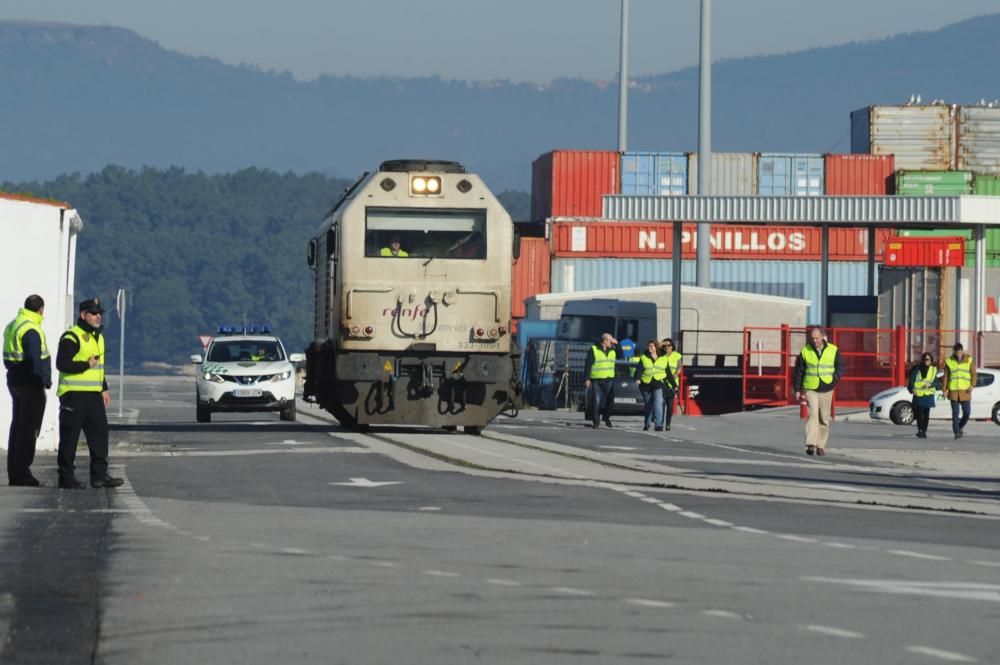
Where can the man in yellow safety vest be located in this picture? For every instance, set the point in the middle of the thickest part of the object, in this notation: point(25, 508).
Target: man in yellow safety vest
point(599, 375)
point(29, 375)
point(83, 398)
point(817, 373)
point(959, 380)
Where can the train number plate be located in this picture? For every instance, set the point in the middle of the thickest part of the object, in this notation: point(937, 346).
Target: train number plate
point(247, 392)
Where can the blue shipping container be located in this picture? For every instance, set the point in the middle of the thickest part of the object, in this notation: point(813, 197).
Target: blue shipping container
point(791, 279)
point(790, 175)
point(654, 173)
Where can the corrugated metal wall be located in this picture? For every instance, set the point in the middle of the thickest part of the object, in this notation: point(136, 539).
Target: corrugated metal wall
point(859, 175)
point(920, 137)
point(654, 173)
point(933, 183)
point(733, 173)
point(979, 139)
point(530, 273)
point(782, 174)
point(793, 279)
point(570, 183)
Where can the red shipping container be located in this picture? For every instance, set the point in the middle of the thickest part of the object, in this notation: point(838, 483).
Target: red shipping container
point(531, 274)
point(729, 241)
point(570, 183)
point(860, 175)
point(930, 251)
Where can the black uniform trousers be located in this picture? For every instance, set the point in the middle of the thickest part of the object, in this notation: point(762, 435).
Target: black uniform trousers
point(25, 423)
point(83, 411)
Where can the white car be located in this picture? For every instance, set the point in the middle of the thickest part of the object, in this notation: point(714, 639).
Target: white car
point(896, 403)
point(245, 369)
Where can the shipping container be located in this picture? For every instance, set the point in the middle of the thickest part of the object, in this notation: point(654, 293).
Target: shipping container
point(921, 138)
point(50, 229)
point(992, 237)
point(860, 175)
point(530, 273)
point(654, 173)
point(979, 139)
point(987, 185)
point(790, 279)
point(570, 183)
point(655, 239)
point(925, 251)
point(933, 183)
point(733, 173)
point(782, 174)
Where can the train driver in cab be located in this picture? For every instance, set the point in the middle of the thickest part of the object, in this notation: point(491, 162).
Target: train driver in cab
point(394, 248)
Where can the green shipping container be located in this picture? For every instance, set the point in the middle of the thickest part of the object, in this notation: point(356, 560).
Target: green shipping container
point(987, 185)
point(933, 183)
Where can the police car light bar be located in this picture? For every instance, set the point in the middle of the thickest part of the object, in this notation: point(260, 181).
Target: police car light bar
point(261, 329)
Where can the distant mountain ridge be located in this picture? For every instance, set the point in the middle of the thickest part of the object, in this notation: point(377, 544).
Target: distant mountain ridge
point(75, 98)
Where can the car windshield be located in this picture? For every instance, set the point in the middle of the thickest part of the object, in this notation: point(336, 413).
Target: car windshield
point(431, 233)
point(584, 327)
point(235, 350)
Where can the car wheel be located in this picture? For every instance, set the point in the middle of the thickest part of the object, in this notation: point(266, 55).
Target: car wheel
point(474, 430)
point(288, 413)
point(203, 414)
point(995, 415)
point(901, 413)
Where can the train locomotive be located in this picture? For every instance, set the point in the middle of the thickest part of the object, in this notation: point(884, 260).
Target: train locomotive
point(412, 310)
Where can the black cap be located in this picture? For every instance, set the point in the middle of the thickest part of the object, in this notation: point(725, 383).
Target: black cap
point(92, 306)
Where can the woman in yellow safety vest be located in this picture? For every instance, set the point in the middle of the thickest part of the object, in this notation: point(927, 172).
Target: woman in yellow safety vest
point(655, 367)
point(921, 386)
point(959, 379)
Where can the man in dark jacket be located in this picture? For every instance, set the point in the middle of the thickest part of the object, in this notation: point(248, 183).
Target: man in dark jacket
point(817, 372)
point(599, 378)
point(29, 375)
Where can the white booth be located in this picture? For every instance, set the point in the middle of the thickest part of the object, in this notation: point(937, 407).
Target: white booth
point(37, 255)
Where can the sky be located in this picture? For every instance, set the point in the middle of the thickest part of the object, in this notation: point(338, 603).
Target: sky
point(519, 40)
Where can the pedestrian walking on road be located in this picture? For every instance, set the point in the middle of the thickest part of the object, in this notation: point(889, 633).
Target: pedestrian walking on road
point(600, 372)
point(959, 380)
point(29, 375)
point(670, 386)
point(817, 372)
point(651, 382)
point(84, 398)
point(921, 386)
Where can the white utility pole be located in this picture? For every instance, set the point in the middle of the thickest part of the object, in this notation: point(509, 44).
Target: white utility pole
point(623, 82)
point(120, 308)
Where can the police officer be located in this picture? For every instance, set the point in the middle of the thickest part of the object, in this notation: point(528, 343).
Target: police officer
point(670, 385)
point(817, 373)
point(83, 398)
point(600, 372)
point(29, 375)
point(959, 379)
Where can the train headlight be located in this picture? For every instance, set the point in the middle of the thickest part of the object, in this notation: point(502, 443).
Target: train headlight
point(425, 185)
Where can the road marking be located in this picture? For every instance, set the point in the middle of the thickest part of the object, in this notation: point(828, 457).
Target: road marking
point(648, 602)
point(294, 550)
point(994, 564)
point(796, 539)
point(834, 632)
point(429, 509)
point(650, 499)
point(635, 495)
point(832, 486)
point(920, 555)
point(571, 591)
point(241, 452)
point(671, 507)
point(384, 564)
point(617, 447)
point(722, 614)
point(692, 515)
point(842, 546)
point(501, 582)
point(440, 573)
point(715, 522)
point(364, 482)
point(959, 590)
point(949, 656)
point(750, 529)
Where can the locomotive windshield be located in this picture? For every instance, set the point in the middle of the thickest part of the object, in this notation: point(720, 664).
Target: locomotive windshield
point(425, 233)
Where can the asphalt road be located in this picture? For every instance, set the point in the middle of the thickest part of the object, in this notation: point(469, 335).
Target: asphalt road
point(251, 540)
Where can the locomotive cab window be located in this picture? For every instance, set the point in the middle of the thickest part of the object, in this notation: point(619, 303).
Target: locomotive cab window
point(425, 233)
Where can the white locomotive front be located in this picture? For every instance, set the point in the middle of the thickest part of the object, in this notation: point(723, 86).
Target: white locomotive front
point(413, 285)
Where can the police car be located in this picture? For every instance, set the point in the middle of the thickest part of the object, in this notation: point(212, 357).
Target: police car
point(895, 404)
point(245, 369)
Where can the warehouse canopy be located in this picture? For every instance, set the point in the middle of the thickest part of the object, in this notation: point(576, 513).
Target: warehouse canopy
point(878, 211)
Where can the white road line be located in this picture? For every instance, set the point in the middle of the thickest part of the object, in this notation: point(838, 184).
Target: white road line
point(920, 555)
point(796, 539)
point(440, 573)
point(722, 614)
point(671, 507)
point(692, 515)
point(571, 591)
point(241, 452)
point(429, 509)
point(635, 495)
point(993, 564)
point(715, 522)
point(833, 632)
point(750, 529)
point(970, 591)
point(616, 447)
point(949, 656)
point(294, 550)
point(502, 582)
point(648, 602)
point(384, 564)
point(650, 499)
point(842, 546)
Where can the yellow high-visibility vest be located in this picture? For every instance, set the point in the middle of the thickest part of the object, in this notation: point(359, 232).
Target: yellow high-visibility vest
point(387, 251)
point(924, 385)
point(959, 374)
point(92, 379)
point(13, 335)
point(654, 369)
point(604, 363)
point(674, 362)
point(819, 368)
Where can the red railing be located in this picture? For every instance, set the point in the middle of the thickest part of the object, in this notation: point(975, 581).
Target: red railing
point(874, 359)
